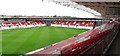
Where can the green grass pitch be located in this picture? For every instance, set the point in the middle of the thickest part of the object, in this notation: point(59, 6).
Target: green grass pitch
point(21, 41)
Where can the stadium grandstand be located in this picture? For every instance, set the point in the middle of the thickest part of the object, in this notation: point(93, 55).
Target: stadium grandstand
point(60, 28)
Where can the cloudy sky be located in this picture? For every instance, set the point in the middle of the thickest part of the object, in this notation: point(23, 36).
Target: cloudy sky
point(39, 8)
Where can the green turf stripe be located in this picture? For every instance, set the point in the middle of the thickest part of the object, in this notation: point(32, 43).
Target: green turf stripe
point(13, 36)
point(0, 42)
point(34, 44)
point(13, 42)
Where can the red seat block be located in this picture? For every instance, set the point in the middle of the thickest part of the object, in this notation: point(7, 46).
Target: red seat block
point(83, 23)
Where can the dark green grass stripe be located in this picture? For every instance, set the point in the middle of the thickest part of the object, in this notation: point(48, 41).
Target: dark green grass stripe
point(19, 39)
point(26, 42)
point(11, 37)
point(30, 42)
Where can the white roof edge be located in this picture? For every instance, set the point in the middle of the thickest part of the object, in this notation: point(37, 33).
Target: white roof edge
point(75, 5)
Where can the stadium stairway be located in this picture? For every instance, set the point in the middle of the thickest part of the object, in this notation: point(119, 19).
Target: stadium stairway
point(114, 49)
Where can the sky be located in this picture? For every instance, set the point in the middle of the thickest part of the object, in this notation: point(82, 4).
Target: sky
point(39, 8)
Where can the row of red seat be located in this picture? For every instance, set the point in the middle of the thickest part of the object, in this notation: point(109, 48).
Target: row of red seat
point(22, 23)
point(73, 23)
point(95, 38)
point(78, 48)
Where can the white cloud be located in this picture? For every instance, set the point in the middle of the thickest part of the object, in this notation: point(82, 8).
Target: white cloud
point(37, 7)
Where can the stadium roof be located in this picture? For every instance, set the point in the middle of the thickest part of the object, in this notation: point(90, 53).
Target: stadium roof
point(107, 8)
point(75, 5)
point(40, 8)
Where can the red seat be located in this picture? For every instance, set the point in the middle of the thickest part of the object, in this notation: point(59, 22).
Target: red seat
point(90, 23)
point(15, 23)
point(83, 23)
point(73, 23)
point(23, 23)
point(42, 22)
